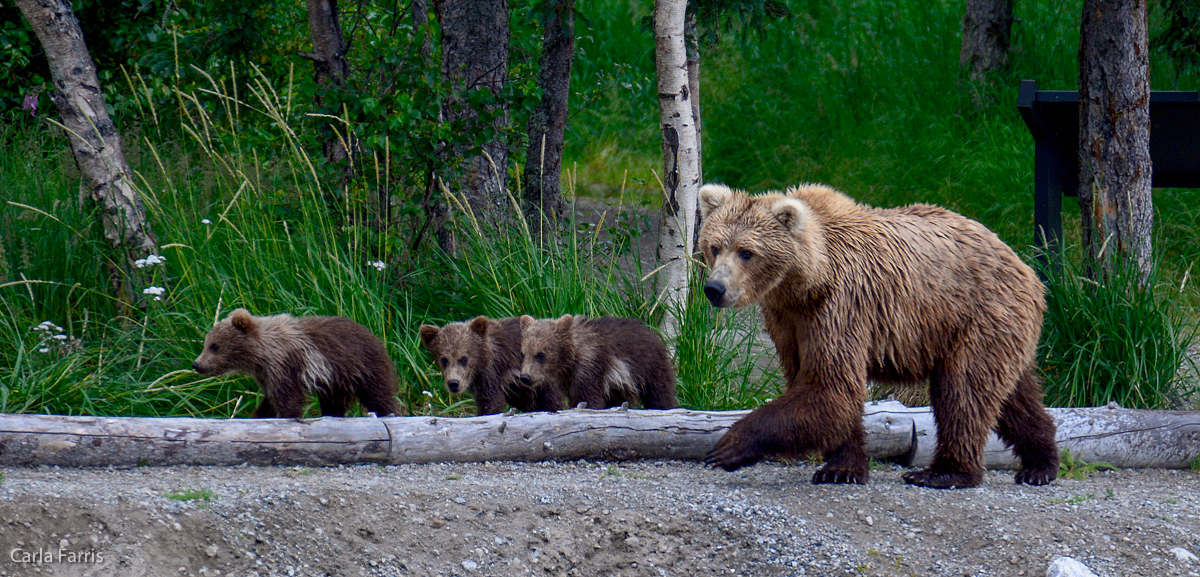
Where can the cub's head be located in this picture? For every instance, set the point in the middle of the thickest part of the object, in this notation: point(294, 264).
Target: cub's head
point(546, 346)
point(751, 243)
point(232, 346)
point(460, 350)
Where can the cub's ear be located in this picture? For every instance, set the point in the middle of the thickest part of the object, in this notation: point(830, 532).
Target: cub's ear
point(793, 214)
point(712, 196)
point(479, 326)
point(564, 323)
point(242, 320)
point(428, 334)
point(526, 320)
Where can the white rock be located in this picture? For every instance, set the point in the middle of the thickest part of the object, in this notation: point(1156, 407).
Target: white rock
point(470, 565)
point(1068, 567)
point(1183, 555)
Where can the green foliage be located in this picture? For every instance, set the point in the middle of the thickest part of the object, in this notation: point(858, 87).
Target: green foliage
point(1073, 467)
point(191, 495)
point(1112, 340)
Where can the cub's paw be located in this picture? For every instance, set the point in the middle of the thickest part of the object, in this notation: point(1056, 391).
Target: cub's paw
point(830, 475)
point(733, 452)
point(1035, 476)
point(942, 480)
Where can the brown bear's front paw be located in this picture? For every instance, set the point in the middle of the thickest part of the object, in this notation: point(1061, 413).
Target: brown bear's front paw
point(732, 454)
point(939, 480)
point(1036, 476)
point(830, 475)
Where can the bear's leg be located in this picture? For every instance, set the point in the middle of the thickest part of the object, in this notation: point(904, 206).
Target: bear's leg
point(845, 464)
point(801, 419)
point(489, 399)
point(265, 409)
point(288, 402)
point(333, 403)
point(659, 393)
point(590, 393)
point(377, 397)
point(547, 397)
point(965, 409)
point(1026, 426)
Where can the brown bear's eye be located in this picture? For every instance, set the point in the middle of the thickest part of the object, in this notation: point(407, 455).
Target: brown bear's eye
point(214, 347)
point(442, 361)
point(462, 362)
point(540, 357)
point(715, 251)
point(745, 254)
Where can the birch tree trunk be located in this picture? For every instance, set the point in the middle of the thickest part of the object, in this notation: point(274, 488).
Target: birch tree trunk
point(543, 161)
point(1114, 134)
point(95, 142)
point(692, 39)
point(475, 56)
point(681, 178)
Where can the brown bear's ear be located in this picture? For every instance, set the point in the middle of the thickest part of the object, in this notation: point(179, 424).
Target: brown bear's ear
point(526, 320)
point(793, 214)
point(428, 333)
point(479, 326)
point(564, 323)
point(713, 196)
point(242, 320)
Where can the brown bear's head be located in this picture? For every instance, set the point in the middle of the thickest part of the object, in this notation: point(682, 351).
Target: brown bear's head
point(547, 350)
point(232, 346)
point(753, 243)
point(461, 350)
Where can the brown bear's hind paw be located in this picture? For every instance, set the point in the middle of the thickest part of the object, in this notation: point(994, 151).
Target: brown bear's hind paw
point(1035, 476)
point(940, 480)
point(828, 475)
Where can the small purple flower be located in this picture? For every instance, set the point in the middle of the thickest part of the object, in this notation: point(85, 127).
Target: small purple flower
point(30, 103)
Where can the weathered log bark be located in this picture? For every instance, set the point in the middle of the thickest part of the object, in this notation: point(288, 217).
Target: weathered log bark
point(95, 141)
point(680, 145)
point(1114, 134)
point(1124, 438)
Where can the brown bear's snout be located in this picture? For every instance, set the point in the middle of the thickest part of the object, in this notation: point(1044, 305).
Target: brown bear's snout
point(196, 367)
point(453, 385)
point(526, 379)
point(715, 291)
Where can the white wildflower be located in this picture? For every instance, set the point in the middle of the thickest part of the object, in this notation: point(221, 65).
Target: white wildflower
point(44, 350)
point(427, 394)
point(378, 264)
point(156, 291)
point(149, 261)
point(205, 221)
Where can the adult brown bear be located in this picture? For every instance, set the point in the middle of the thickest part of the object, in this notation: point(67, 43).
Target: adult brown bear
point(907, 295)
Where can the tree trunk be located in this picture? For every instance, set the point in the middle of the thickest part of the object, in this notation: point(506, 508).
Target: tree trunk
point(475, 57)
point(986, 29)
point(1120, 437)
point(1114, 134)
point(543, 162)
point(95, 142)
point(692, 37)
point(330, 66)
point(681, 178)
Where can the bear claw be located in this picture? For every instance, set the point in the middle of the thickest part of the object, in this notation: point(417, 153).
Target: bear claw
point(824, 476)
point(936, 480)
point(1035, 476)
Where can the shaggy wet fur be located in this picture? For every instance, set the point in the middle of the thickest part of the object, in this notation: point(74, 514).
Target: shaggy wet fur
point(290, 357)
point(484, 357)
point(603, 362)
point(850, 292)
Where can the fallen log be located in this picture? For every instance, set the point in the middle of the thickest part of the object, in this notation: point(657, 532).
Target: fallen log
point(1121, 437)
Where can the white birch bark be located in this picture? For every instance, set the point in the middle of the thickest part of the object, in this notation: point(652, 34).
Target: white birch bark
point(681, 150)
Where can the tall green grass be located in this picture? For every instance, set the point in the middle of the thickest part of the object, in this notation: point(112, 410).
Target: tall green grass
point(1113, 340)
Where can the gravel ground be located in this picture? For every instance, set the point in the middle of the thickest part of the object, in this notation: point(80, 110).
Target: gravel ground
point(583, 518)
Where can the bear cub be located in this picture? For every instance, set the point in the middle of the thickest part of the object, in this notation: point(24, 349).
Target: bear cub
point(333, 357)
point(603, 362)
point(483, 356)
